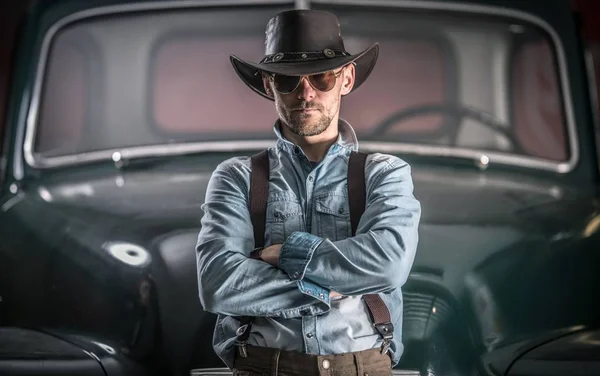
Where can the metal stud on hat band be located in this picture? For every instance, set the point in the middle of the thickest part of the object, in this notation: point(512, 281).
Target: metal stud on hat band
point(290, 57)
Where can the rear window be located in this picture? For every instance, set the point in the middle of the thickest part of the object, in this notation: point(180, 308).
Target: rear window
point(195, 89)
point(536, 101)
point(410, 72)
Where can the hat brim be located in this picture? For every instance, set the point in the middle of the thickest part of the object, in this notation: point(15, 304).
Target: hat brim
point(251, 73)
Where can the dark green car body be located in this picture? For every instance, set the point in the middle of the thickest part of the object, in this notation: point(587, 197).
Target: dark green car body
point(97, 262)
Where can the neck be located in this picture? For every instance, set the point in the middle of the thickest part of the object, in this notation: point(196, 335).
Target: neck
point(314, 147)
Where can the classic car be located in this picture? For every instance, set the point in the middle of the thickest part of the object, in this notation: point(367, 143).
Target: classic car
point(119, 111)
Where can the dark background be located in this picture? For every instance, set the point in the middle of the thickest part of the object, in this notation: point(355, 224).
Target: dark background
point(12, 13)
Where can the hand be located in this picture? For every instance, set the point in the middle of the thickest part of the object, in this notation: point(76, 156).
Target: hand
point(333, 294)
point(271, 254)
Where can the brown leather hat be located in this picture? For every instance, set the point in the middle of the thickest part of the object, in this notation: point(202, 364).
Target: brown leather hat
point(303, 42)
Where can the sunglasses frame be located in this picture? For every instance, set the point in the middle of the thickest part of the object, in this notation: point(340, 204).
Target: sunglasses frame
point(336, 75)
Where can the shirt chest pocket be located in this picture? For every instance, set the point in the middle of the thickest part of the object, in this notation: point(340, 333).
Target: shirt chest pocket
point(283, 218)
point(333, 217)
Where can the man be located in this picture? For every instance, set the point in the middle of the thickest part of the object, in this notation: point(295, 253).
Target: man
point(296, 301)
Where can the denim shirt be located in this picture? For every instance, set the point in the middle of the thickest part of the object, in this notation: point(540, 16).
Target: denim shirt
point(307, 212)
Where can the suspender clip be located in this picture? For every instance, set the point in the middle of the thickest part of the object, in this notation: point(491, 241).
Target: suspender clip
point(242, 351)
point(241, 330)
point(385, 347)
point(243, 333)
point(387, 332)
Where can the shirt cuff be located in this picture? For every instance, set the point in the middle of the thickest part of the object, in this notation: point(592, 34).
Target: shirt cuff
point(316, 291)
point(296, 252)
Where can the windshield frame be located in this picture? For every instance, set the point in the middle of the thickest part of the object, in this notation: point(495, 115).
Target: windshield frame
point(38, 161)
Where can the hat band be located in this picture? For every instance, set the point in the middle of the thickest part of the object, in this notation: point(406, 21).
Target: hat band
point(293, 57)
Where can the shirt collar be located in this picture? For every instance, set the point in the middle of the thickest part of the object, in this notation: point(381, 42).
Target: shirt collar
point(346, 139)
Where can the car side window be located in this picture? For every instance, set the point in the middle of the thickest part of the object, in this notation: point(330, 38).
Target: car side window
point(191, 78)
point(536, 99)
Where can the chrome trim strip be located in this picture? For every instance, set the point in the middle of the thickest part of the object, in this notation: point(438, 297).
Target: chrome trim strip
point(232, 146)
point(37, 161)
point(210, 372)
point(228, 372)
point(302, 4)
point(12, 202)
point(445, 151)
point(154, 150)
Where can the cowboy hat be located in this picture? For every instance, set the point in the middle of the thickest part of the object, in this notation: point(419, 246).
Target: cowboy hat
point(304, 42)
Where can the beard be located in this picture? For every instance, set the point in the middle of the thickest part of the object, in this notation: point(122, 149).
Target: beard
point(310, 124)
point(306, 124)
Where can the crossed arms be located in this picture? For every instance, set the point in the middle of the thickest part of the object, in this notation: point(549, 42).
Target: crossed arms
point(300, 276)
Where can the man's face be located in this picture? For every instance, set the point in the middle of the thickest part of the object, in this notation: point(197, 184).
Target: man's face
point(307, 111)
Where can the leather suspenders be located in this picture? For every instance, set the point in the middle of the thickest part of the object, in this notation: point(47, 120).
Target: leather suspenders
point(259, 192)
point(380, 315)
point(259, 189)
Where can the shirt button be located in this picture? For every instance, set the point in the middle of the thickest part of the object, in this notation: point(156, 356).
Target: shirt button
point(310, 178)
point(296, 274)
point(309, 335)
point(341, 211)
point(326, 364)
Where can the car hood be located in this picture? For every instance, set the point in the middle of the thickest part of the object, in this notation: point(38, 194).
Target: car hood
point(466, 216)
point(448, 196)
point(487, 241)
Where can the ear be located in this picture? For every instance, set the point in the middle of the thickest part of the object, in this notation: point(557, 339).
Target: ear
point(267, 85)
point(348, 77)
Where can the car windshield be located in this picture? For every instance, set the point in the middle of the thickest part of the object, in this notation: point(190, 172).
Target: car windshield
point(454, 84)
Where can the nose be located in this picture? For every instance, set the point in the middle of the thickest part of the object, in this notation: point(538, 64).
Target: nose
point(305, 90)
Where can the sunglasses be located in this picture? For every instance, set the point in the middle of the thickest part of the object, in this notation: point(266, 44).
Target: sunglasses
point(320, 81)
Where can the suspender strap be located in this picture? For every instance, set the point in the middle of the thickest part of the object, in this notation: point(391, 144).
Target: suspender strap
point(356, 188)
point(380, 314)
point(381, 319)
point(259, 191)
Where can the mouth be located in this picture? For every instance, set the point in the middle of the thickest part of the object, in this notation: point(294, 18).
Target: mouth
point(305, 110)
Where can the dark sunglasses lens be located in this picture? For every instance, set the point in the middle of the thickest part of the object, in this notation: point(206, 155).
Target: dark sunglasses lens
point(285, 84)
point(323, 81)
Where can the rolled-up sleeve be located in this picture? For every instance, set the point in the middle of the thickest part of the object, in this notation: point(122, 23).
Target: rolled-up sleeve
point(231, 283)
point(297, 252)
point(379, 257)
